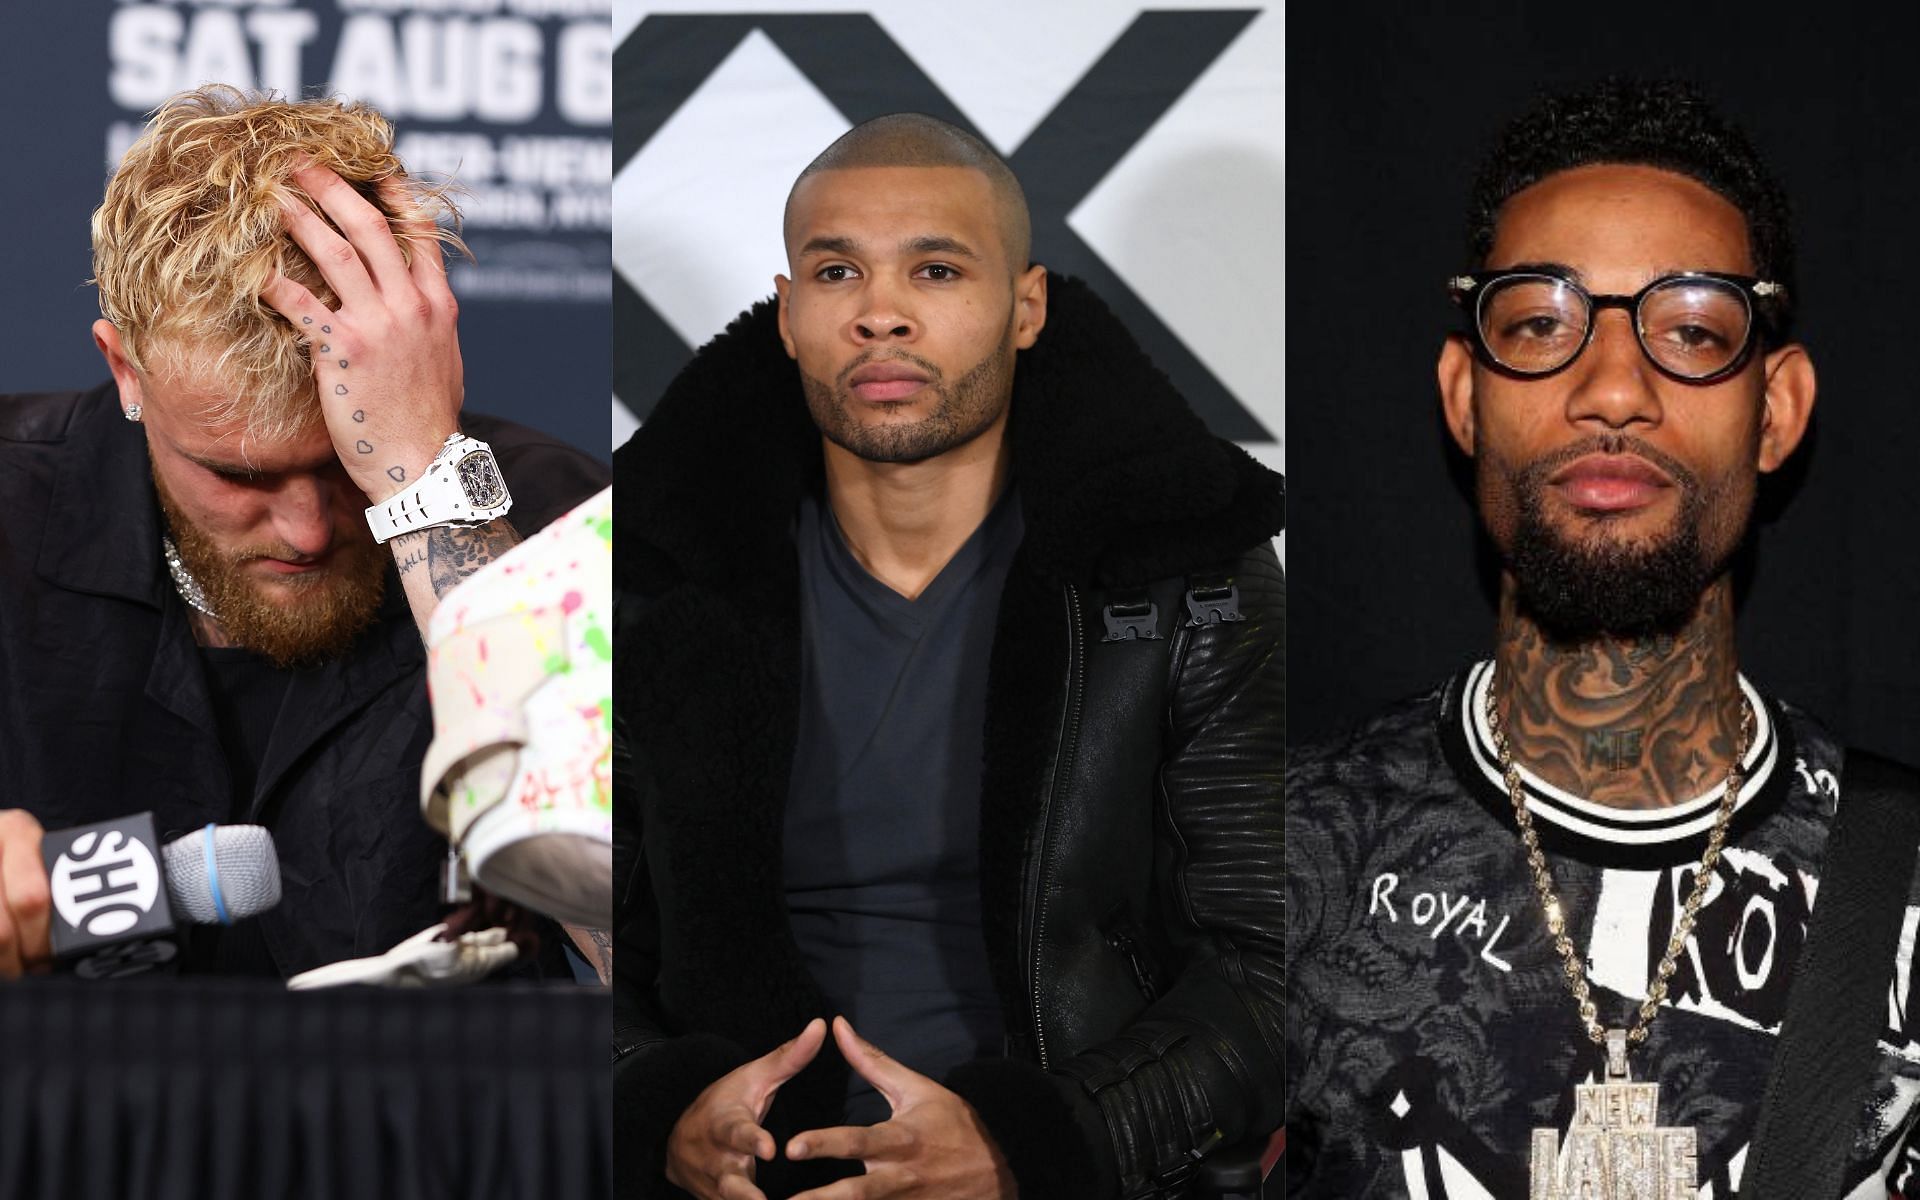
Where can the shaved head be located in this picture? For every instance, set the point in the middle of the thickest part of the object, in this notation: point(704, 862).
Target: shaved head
point(917, 140)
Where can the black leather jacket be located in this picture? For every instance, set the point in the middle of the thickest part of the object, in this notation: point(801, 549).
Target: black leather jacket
point(1131, 820)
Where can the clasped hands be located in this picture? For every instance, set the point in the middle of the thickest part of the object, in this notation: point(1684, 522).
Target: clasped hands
point(933, 1146)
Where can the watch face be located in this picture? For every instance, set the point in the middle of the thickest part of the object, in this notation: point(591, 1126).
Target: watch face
point(480, 480)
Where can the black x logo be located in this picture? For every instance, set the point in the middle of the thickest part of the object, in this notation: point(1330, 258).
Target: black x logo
point(863, 73)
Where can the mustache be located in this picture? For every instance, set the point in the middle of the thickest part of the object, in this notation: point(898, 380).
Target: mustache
point(1537, 472)
point(931, 371)
point(280, 550)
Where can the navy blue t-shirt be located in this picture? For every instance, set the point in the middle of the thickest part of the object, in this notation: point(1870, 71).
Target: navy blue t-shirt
point(883, 813)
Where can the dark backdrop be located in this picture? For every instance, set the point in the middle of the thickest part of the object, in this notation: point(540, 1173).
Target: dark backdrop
point(1389, 110)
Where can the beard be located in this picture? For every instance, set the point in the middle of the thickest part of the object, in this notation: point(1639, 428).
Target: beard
point(962, 411)
point(316, 617)
point(1581, 588)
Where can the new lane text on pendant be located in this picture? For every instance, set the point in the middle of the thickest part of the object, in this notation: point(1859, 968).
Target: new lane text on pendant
point(1614, 1150)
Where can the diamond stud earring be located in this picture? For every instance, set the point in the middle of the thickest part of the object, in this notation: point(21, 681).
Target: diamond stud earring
point(132, 413)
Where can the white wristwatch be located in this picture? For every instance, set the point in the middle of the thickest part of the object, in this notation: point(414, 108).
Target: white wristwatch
point(461, 486)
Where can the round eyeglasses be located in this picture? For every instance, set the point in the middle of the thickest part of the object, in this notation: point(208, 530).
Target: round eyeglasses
point(1696, 325)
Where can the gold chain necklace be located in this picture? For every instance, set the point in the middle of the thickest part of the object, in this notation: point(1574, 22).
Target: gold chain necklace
point(1615, 1147)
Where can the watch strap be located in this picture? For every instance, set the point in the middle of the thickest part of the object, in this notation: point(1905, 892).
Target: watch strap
point(442, 496)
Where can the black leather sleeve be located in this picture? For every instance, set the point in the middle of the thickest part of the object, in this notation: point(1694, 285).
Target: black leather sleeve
point(1202, 1066)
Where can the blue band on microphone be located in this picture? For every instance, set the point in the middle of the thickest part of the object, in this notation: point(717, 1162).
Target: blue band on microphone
point(213, 878)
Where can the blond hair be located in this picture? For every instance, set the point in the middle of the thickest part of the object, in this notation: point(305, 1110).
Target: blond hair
point(191, 233)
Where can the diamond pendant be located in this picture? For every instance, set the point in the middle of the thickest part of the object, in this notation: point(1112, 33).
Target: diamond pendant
point(1614, 1150)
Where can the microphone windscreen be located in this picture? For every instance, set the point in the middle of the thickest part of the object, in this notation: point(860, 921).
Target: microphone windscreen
point(222, 874)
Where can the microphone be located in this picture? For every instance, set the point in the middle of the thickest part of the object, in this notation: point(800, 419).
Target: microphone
point(117, 903)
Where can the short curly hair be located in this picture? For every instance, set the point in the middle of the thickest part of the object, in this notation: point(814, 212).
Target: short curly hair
point(190, 234)
point(1668, 124)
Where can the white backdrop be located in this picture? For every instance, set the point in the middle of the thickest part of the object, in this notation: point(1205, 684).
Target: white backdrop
point(1190, 217)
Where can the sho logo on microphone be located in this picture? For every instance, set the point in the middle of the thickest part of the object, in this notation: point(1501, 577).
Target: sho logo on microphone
point(106, 884)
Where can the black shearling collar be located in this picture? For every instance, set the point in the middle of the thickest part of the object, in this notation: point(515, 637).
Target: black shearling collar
point(1119, 481)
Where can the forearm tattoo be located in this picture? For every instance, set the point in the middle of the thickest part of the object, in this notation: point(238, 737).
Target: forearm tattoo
point(603, 950)
point(1634, 724)
point(451, 553)
point(596, 946)
point(412, 560)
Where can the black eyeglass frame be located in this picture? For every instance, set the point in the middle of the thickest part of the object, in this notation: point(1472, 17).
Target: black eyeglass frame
point(1765, 300)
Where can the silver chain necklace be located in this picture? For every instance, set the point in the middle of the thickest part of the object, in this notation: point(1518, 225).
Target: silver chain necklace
point(183, 580)
point(1616, 1147)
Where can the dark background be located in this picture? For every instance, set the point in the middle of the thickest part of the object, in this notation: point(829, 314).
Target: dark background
point(1389, 112)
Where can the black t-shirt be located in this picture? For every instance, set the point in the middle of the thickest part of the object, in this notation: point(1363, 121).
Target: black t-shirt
point(246, 692)
point(1430, 1029)
point(882, 827)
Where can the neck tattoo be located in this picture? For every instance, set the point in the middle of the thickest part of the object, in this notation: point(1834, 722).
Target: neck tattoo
point(1616, 1148)
point(1632, 723)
